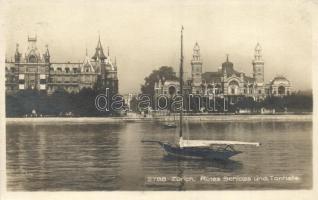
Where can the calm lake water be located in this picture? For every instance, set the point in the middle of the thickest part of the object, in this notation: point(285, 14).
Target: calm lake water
point(103, 157)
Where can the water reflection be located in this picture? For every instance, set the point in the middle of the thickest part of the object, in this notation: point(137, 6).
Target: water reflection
point(84, 157)
point(225, 165)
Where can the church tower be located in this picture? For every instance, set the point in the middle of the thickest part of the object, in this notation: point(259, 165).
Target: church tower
point(258, 65)
point(196, 69)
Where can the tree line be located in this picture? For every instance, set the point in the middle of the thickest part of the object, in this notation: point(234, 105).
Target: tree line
point(60, 103)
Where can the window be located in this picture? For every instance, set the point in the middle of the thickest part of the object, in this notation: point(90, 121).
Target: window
point(259, 91)
point(281, 90)
point(232, 91)
point(42, 81)
point(31, 69)
point(33, 59)
point(232, 101)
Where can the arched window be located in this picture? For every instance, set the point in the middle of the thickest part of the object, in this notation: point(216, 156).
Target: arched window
point(281, 90)
point(33, 59)
point(233, 87)
point(172, 90)
point(217, 89)
point(251, 89)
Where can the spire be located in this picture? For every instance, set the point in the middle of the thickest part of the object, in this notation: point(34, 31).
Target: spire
point(17, 49)
point(46, 55)
point(86, 52)
point(99, 53)
point(227, 57)
point(17, 55)
point(47, 50)
point(108, 51)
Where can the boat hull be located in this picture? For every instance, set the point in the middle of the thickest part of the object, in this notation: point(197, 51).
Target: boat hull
point(170, 126)
point(199, 152)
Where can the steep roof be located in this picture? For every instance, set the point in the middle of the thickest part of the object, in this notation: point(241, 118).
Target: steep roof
point(99, 52)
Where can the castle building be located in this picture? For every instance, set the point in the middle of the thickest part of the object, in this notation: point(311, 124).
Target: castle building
point(37, 72)
point(228, 82)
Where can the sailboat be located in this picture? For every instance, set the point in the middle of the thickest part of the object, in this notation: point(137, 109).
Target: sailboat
point(199, 149)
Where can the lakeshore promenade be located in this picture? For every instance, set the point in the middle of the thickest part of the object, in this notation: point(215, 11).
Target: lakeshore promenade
point(205, 118)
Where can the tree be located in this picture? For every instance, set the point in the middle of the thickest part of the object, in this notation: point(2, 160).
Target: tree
point(164, 73)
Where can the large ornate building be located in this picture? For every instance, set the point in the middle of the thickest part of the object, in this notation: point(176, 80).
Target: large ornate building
point(227, 81)
point(34, 70)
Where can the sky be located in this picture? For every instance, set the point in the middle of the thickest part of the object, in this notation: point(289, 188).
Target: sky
point(144, 35)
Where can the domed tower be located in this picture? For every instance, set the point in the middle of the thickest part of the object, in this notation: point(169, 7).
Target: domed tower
point(258, 65)
point(196, 69)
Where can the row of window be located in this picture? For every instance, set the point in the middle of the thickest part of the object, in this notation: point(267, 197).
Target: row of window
point(28, 69)
point(71, 79)
point(42, 81)
point(67, 70)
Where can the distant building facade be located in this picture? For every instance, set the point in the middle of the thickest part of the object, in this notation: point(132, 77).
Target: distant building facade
point(228, 82)
point(34, 70)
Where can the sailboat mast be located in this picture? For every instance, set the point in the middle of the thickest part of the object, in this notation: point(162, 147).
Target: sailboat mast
point(181, 82)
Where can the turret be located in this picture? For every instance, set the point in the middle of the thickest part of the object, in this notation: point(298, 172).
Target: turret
point(196, 68)
point(17, 55)
point(258, 65)
point(47, 56)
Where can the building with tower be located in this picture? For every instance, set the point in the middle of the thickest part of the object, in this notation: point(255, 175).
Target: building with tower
point(228, 82)
point(36, 71)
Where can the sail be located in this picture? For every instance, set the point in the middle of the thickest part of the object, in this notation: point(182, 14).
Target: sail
point(207, 143)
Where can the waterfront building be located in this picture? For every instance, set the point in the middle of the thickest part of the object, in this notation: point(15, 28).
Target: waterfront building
point(228, 82)
point(34, 70)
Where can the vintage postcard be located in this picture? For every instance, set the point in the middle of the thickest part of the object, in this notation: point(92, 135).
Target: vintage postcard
point(122, 99)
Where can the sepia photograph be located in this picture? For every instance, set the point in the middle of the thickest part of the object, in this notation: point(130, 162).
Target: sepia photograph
point(147, 96)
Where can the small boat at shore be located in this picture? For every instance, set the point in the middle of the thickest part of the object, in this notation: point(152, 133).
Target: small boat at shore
point(170, 125)
point(199, 149)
